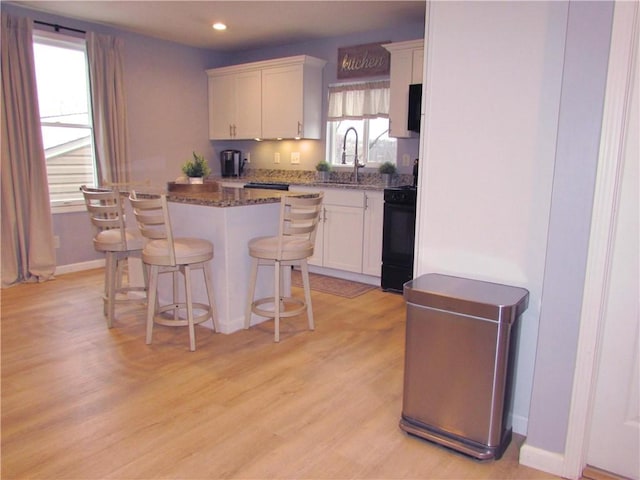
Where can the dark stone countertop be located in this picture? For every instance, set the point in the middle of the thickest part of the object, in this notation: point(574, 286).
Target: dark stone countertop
point(229, 196)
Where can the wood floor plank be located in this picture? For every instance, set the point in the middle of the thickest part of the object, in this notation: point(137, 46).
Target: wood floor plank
point(83, 401)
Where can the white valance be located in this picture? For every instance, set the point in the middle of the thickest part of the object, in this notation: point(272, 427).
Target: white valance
point(356, 101)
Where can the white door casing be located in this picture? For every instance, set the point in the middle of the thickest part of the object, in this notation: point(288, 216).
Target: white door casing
point(603, 424)
point(614, 440)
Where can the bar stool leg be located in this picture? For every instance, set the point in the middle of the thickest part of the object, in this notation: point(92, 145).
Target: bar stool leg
point(212, 302)
point(189, 299)
point(110, 301)
point(252, 290)
point(304, 268)
point(152, 300)
point(276, 300)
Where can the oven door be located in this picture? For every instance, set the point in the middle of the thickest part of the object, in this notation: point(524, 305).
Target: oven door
point(398, 241)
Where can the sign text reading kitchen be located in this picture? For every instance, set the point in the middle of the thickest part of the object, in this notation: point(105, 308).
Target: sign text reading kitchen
point(363, 61)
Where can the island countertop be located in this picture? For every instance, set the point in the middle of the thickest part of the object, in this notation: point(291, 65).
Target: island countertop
point(218, 196)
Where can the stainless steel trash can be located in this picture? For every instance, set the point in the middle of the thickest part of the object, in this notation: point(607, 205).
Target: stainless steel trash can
point(460, 343)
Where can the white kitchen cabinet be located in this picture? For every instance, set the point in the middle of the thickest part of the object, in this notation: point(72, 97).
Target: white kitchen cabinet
point(279, 98)
point(372, 234)
point(342, 237)
point(292, 98)
point(349, 235)
point(232, 100)
point(407, 59)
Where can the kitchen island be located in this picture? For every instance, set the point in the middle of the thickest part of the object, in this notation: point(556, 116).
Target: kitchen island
point(229, 218)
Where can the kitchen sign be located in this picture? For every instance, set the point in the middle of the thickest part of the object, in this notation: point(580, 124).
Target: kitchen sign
point(363, 61)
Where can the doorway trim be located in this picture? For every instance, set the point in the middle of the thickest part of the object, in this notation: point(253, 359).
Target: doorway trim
point(622, 61)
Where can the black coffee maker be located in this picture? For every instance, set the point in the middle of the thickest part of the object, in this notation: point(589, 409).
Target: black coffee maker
point(231, 163)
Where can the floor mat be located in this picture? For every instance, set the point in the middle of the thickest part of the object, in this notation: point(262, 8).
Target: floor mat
point(334, 286)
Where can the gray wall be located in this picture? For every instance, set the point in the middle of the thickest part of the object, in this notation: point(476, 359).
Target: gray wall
point(166, 91)
point(510, 150)
point(583, 84)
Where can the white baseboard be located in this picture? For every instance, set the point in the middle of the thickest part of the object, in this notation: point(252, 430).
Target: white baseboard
point(354, 277)
point(543, 460)
point(79, 267)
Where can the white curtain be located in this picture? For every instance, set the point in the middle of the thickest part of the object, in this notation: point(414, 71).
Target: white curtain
point(28, 253)
point(356, 101)
point(106, 75)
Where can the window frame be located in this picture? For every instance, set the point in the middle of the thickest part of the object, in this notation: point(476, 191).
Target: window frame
point(77, 43)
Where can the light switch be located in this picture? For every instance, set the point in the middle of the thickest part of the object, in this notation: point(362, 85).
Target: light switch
point(276, 157)
point(295, 158)
point(406, 160)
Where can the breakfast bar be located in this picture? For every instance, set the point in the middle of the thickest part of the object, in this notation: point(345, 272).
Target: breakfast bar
point(229, 218)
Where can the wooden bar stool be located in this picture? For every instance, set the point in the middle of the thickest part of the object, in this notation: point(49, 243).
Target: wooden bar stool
point(117, 242)
point(164, 253)
point(291, 247)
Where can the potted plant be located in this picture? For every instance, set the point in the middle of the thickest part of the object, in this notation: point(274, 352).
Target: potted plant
point(323, 168)
point(387, 170)
point(196, 169)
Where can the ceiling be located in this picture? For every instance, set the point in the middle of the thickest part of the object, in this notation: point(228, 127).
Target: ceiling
point(250, 24)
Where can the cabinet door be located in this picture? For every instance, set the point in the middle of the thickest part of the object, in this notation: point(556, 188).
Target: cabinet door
point(282, 102)
point(400, 79)
point(221, 107)
point(248, 94)
point(342, 236)
point(372, 239)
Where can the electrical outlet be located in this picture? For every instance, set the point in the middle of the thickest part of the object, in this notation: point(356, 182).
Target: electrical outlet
point(276, 157)
point(295, 158)
point(248, 157)
point(406, 160)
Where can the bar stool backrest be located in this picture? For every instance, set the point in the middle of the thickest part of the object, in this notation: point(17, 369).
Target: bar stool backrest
point(107, 216)
point(152, 217)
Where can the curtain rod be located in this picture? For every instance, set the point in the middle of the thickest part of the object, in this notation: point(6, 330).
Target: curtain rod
point(57, 27)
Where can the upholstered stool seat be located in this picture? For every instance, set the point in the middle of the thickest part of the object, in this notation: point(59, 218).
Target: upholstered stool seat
point(119, 243)
point(164, 253)
point(291, 247)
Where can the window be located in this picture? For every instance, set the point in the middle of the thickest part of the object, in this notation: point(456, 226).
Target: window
point(65, 115)
point(365, 108)
point(374, 144)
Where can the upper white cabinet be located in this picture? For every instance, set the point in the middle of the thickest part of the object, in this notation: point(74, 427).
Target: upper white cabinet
point(292, 98)
point(232, 100)
point(279, 98)
point(407, 60)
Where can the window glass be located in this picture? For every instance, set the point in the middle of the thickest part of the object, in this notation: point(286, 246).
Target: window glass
point(65, 115)
point(374, 144)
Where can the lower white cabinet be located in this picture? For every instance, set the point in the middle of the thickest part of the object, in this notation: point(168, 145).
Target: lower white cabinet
point(349, 235)
point(342, 237)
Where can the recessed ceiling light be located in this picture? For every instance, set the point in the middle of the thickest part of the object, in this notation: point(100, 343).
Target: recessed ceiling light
point(219, 26)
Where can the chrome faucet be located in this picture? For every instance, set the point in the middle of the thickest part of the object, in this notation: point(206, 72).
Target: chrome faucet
point(356, 165)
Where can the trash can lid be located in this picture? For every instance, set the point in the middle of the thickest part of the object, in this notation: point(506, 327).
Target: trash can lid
point(465, 296)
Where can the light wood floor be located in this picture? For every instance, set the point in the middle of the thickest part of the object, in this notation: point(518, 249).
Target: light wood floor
point(80, 401)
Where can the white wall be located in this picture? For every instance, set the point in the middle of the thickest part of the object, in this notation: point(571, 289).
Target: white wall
point(493, 77)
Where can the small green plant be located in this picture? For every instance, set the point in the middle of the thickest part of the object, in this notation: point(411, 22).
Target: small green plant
point(198, 167)
point(323, 166)
point(387, 167)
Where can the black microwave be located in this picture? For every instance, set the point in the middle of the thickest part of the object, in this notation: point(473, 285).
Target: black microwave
point(415, 103)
